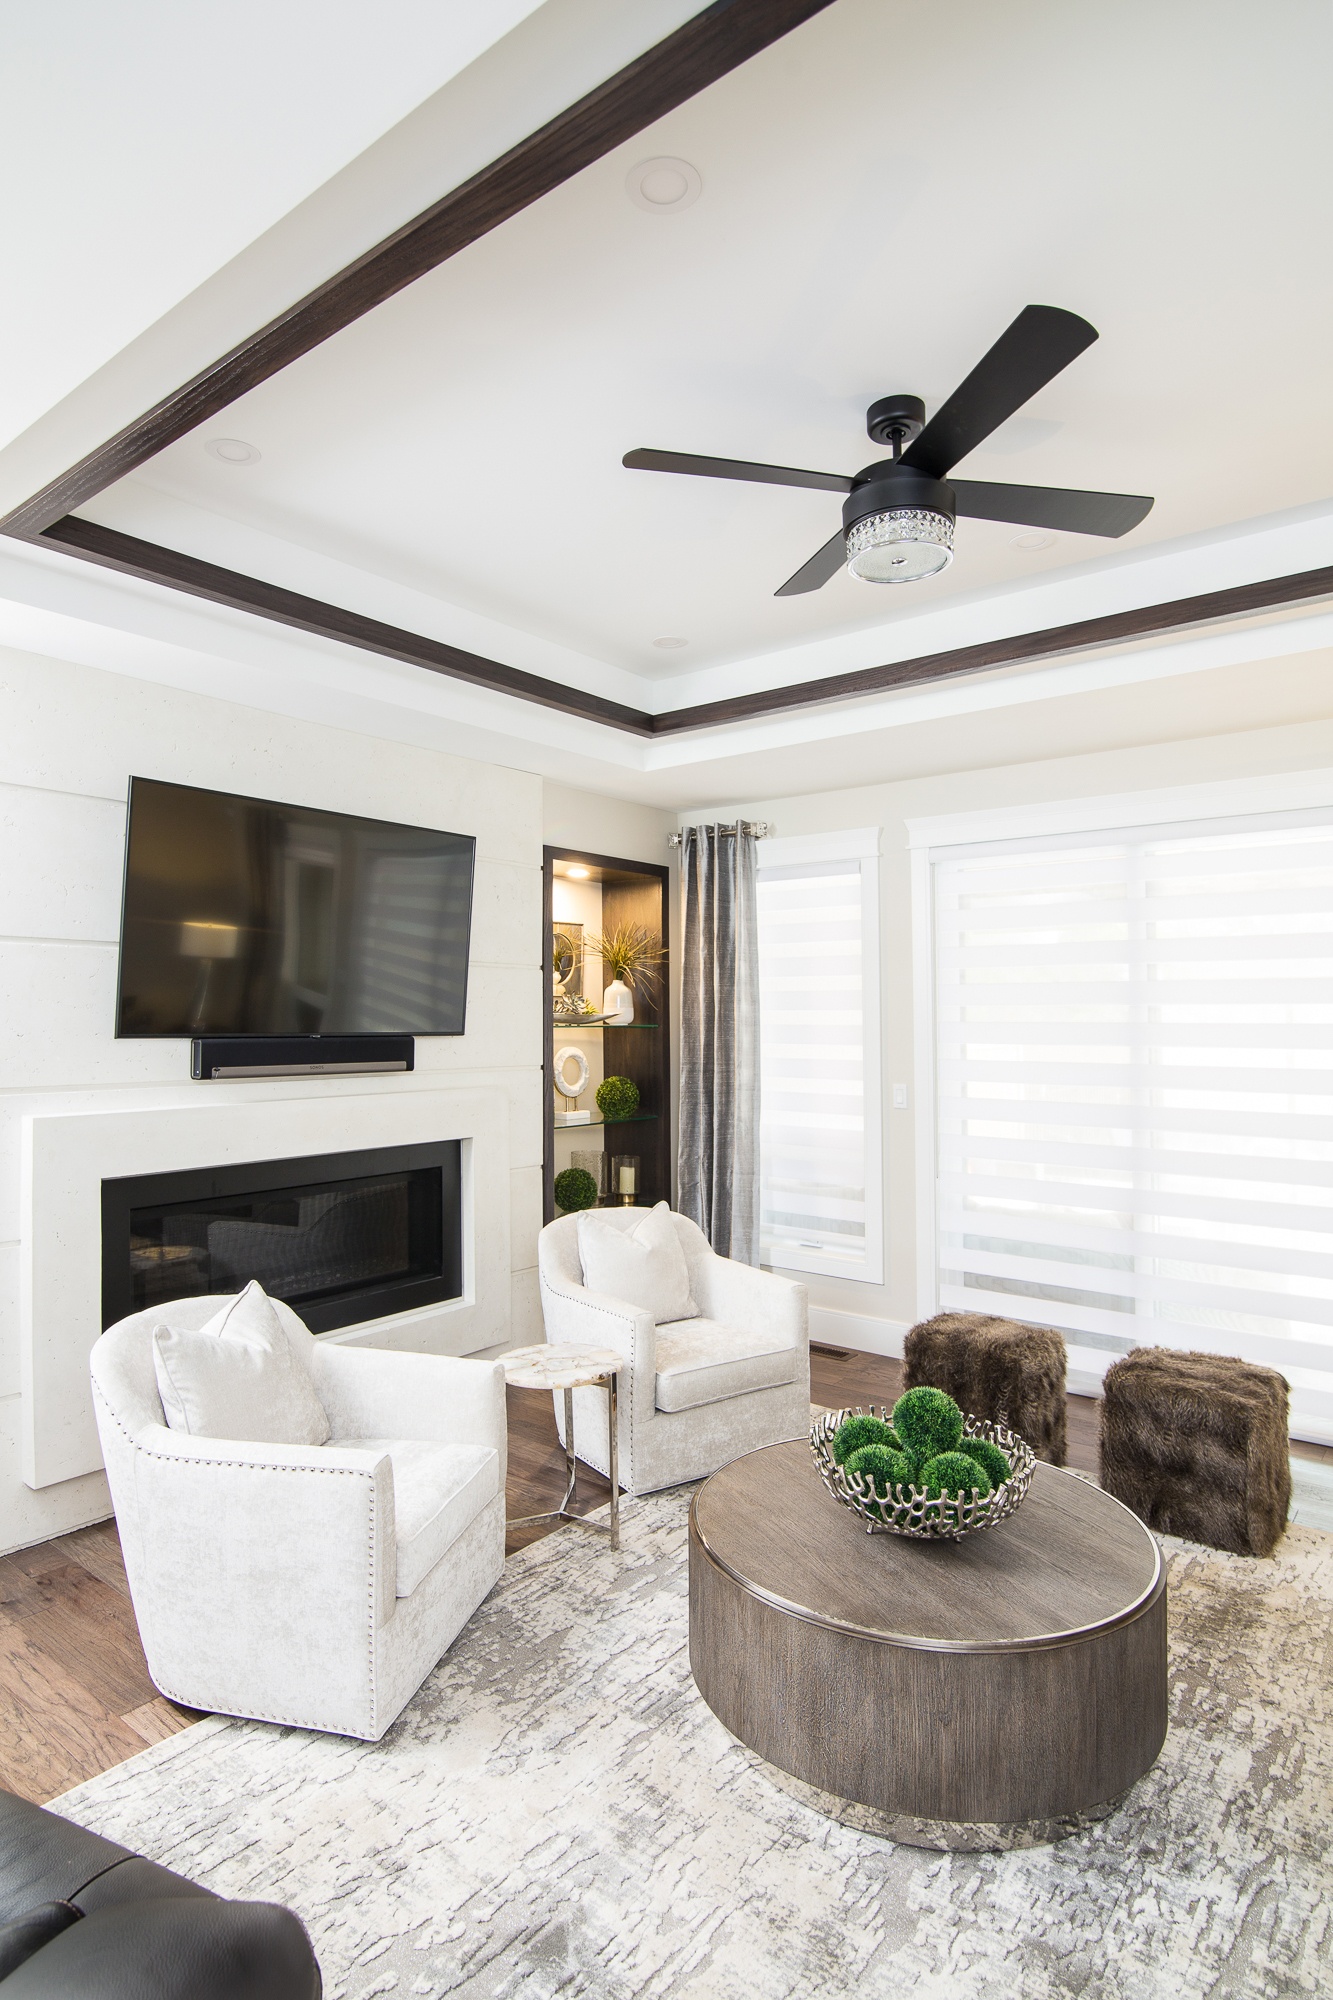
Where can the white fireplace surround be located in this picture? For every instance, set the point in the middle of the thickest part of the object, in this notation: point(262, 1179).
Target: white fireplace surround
point(66, 1157)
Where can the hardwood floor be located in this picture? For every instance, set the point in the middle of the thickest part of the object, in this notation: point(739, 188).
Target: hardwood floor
point(75, 1697)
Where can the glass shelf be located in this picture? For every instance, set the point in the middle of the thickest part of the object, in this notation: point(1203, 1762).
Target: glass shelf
point(585, 1026)
point(590, 1124)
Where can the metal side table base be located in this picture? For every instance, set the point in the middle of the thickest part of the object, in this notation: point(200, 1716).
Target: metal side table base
point(567, 1369)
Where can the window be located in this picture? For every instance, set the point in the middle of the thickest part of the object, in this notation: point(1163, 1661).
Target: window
point(821, 1203)
point(1134, 1061)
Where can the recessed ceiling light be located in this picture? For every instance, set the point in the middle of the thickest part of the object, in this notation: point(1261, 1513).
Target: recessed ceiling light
point(233, 451)
point(665, 186)
point(670, 645)
point(579, 874)
point(1036, 538)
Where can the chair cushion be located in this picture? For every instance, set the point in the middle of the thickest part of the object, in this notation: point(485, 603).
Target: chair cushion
point(438, 1491)
point(237, 1376)
point(702, 1361)
point(640, 1261)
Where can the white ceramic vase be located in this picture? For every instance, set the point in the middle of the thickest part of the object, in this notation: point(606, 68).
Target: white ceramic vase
point(618, 1003)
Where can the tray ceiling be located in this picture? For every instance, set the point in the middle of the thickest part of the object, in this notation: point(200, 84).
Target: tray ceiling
point(880, 195)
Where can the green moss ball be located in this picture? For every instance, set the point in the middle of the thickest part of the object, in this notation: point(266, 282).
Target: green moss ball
point(617, 1097)
point(990, 1457)
point(575, 1188)
point(928, 1422)
point(857, 1431)
point(882, 1467)
point(954, 1474)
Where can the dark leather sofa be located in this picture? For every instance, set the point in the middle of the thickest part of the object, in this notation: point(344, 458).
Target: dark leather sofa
point(82, 1918)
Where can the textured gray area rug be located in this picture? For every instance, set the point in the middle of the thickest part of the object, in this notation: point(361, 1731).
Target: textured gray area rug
point(558, 1813)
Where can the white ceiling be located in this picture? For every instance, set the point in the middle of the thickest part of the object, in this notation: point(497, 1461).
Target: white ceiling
point(144, 144)
point(882, 191)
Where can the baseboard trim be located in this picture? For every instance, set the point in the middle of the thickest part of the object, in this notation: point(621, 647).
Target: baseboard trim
point(866, 1333)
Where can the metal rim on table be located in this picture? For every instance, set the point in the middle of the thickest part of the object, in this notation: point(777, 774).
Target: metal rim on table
point(909, 1510)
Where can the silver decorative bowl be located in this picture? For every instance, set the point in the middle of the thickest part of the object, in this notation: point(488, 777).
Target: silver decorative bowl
point(908, 1510)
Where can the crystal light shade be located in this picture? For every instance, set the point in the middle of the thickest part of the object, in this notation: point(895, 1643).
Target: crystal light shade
point(900, 546)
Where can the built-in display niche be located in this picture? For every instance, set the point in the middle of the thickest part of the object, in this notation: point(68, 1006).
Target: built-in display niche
point(626, 1152)
point(341, 1237)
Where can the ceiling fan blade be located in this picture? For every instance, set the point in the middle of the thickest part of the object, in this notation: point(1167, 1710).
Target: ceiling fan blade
point(1028, 355)
point(1052, 507)
point(734, 468)
point(823, 564)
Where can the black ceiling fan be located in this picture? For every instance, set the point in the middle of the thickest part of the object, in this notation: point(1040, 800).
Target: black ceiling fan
point(898, 517)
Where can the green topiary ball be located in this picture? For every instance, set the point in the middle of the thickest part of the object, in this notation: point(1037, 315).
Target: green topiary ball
point(954, 1474)
point(990, 1457)
point(617, 1097)
point(861, 1430)
point(882, 1467)
point(575, 1188)
point(928, 1422)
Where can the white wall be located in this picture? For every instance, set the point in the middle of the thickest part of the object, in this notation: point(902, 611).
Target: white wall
point(876, 1316)
point(70, 738)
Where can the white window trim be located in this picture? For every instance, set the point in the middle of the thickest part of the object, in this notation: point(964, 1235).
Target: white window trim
point(934, 837)
point(857, 844)
point(1225, 798)
point(796, 849)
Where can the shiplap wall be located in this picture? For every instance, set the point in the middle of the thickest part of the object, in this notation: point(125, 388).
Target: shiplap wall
point(70, 737)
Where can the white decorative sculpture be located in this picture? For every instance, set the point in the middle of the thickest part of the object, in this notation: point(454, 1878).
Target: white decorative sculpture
point(571, 1087)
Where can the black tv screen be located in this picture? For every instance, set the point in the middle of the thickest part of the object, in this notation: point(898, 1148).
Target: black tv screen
point(245, 917)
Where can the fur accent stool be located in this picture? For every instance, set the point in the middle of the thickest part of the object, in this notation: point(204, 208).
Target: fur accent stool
point(1196, 1444)
point(997, 1369)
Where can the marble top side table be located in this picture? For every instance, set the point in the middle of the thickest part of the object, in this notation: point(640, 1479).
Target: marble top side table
point(570, 1367)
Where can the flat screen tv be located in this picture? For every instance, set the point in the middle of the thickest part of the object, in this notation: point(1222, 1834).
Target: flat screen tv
point(246, 917)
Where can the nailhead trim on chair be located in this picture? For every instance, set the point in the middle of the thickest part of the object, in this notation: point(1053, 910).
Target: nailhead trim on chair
point(235, 1465)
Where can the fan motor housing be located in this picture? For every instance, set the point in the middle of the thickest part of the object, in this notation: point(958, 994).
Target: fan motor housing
point(896, 419)
point(886, 485)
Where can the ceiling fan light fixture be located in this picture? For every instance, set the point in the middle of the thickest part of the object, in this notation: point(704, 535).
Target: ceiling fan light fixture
point(901, 545)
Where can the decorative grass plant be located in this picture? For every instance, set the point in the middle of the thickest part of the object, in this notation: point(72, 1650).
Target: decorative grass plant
point(630, 952)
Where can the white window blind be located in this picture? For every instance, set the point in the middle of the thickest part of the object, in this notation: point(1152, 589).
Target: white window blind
point(820, 1176)
point(1134, 1048)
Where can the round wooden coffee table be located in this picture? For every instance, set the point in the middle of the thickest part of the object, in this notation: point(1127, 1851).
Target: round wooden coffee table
point(1000, 1691)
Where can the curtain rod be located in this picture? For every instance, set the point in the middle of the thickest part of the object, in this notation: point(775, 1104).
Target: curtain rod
point(760, 828)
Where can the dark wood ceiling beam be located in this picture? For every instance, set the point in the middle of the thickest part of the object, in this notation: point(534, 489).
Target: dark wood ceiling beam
point(132, 557)
point(113, 550)
point(1115, 629)
point(700, 52)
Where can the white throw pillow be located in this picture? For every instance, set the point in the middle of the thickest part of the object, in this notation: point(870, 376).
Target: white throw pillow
point(644, 1264)
point(237, 1377)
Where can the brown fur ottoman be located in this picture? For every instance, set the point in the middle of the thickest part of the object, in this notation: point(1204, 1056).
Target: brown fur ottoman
point(997, 1369)
point(1196, 1444)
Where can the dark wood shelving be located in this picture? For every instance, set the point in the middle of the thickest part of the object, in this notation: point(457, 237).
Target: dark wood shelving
point(633, 892)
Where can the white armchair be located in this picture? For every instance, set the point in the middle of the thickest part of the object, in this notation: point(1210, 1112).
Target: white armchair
point(315, 1585)
point(695, 1393)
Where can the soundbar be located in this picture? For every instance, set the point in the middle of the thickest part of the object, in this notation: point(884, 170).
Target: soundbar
point(214, 1058)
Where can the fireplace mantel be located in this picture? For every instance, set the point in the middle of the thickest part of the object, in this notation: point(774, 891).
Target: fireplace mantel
point(67, 1156)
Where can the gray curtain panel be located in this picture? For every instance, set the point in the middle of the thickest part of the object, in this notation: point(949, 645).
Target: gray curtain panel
point(719, 1039)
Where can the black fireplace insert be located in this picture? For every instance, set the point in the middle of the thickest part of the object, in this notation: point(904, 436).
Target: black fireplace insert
point(341, 1237)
